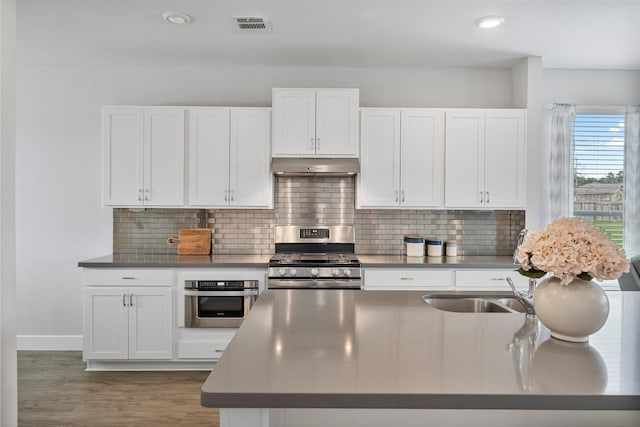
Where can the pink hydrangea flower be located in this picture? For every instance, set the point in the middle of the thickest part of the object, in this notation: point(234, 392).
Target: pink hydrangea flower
point(571, 247)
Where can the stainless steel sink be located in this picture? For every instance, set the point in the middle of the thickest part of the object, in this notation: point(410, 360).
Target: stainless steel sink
point(474, 303)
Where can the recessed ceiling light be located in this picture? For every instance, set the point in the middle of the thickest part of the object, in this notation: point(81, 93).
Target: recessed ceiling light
point(176, 18)
point(490, 21)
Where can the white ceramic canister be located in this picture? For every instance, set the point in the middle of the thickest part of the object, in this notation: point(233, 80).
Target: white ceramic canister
point(452, 248)
point(415, 245)
point(434, 247)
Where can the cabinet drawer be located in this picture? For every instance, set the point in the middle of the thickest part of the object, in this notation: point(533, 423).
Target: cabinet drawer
point(202, 349)
point(489, 279)
point(408, 279)
point(128, 277)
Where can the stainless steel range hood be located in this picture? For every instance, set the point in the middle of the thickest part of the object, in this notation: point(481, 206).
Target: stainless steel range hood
point(314, 166)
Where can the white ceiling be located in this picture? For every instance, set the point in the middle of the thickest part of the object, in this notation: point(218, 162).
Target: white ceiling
point(334, 33)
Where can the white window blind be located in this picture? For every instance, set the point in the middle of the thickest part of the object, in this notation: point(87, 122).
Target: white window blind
point(598, 162)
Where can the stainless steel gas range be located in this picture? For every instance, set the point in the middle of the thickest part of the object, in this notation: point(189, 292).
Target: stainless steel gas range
point(310, 257)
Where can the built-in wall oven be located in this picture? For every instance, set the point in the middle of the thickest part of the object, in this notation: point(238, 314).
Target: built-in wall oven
point(218, 303)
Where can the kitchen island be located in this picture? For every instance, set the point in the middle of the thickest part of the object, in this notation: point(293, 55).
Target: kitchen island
point(355, 358)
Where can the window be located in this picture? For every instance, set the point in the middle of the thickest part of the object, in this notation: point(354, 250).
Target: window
point(598, 166)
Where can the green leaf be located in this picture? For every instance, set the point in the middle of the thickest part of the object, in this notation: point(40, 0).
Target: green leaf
point(533, 273)
point(585, 276)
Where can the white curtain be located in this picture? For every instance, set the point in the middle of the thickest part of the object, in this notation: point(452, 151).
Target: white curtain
point(632, 182)
point(560, 165)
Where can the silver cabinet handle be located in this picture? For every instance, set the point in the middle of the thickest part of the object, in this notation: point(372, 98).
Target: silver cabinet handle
point(147, 194)
point(140, 194)
point(501, 279)
point(128, 278)
point(482, 197)
point(233, 195)
point(406, 278)
point(226, 197)
point(130, 300)
point(487, 197)
point(396, 195)
point(317, 144)
point(312, 145)
point(403, 195)
point(219, 351)
point(124, 300)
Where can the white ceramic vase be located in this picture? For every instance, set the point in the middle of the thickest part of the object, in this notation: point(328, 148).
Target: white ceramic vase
point(572, 312)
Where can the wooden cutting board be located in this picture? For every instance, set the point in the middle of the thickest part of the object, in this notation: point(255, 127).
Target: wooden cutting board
point(192, 241)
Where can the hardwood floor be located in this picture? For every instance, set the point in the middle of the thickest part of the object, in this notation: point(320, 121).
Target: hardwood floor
point(54, 390)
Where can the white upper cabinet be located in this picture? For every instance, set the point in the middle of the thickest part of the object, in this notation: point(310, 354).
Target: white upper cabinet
point(505, 158)
point(209, 156)
point(315, 122)
point(229, 157)
point(250, 178)
point(464, 159)
point(485, 159)
point(402, 157)
point(422, 158)
point(143, 155)
point(379, 177)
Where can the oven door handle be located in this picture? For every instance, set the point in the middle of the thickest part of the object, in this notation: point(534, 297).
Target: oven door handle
point(195, 293)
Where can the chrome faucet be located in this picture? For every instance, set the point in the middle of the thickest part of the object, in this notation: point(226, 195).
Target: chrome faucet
point(523, 234)
point(526, 298)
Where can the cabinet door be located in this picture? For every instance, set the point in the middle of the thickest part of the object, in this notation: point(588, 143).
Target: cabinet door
point(209, 156)
point(250, 176)
point(337, 122)
point(105, 323)
point(505, 159)
point(294, 117)
point(379, 178)
point(164, 157)
point(122, 156)
point(150, 323)
point(464, 159)
point(422, 158)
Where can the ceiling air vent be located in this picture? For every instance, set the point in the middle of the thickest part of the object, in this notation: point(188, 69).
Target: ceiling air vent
point(252, 24)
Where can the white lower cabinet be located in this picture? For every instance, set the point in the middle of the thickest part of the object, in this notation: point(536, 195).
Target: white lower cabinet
point(415, 279)
point(489, 280)
point(128, 323)
point(203, 343)
point(408, 279)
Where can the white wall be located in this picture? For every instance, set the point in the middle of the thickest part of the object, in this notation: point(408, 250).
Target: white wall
point(8, 362)
point(591, 87)
point(60, 220)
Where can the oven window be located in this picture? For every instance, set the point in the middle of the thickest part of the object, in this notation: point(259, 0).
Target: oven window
point(221, 306)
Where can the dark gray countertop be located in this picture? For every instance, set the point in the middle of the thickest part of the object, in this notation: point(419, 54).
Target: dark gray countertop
point(375, 349)
point(436, 262)
point(177, 261)
point(259, 261)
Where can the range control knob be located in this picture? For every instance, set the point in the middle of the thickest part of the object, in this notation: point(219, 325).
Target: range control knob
point(293, 272)
point(314, 272)
point(335, 272)
point(282, 272)
point(347, 272)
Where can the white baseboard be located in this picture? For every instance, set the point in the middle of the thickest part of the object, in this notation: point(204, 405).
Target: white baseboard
point(50, 342)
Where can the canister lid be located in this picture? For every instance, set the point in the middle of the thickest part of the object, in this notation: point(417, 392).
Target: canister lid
point(413, 238)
